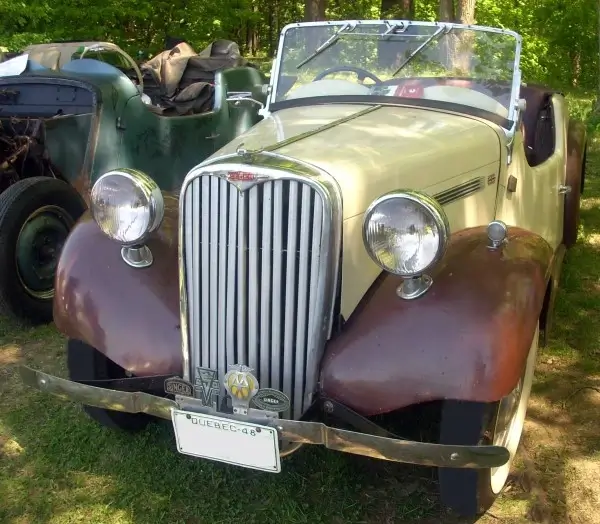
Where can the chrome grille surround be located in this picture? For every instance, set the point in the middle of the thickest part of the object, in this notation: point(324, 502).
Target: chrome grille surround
point(285, 342)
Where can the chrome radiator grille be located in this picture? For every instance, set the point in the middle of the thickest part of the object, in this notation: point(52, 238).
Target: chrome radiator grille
point(255, 265)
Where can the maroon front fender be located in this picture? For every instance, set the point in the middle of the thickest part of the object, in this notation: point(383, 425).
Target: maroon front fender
point(130, 315)
point(467, 338)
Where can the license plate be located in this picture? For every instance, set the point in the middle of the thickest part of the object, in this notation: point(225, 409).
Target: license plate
point(224, 440)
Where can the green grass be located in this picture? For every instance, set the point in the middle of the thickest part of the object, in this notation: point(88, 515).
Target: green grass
point(57, 466)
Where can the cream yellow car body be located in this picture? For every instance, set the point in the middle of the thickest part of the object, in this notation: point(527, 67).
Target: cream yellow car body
point(373, 149)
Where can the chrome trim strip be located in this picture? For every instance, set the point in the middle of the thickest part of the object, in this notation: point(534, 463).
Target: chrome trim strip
point(322, 289)
point(325, 127)
point(460, 191)
point(382, 448)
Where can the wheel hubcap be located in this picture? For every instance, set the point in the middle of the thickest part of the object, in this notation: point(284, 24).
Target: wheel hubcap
point(39, 244)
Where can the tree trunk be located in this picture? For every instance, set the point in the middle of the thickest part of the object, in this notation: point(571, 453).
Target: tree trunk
point(465, 12)
point(314, 10)
point(397, 9)
point(446, 11)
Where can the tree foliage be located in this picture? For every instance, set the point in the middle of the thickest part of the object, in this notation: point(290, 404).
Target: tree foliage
point(560, 36)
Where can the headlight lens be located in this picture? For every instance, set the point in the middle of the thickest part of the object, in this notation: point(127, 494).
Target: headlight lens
point(405, 232)
point(127, 205)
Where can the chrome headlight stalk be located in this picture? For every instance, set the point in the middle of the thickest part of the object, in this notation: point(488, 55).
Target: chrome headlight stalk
point(406, 234)
point(128, 205)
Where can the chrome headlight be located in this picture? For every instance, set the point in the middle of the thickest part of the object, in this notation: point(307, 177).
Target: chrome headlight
point(405, 232)
point(127, 205)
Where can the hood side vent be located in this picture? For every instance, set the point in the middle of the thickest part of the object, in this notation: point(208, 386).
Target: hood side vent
point(460, 191)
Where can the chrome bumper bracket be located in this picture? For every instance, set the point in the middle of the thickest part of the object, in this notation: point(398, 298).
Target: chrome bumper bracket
point(383, 448)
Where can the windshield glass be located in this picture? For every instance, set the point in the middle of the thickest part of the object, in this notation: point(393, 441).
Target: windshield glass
point(444, 63)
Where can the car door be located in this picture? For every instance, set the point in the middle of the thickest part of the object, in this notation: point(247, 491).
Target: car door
point(533, 196)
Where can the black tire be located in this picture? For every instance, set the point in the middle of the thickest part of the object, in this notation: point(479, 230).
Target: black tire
point(471, 492)
point(87, 363)
point(55, 206)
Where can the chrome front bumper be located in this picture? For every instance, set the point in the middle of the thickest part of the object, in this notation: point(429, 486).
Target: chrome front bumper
point(300, 432)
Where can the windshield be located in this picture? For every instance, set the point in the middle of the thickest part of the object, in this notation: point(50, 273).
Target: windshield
point(471, 66)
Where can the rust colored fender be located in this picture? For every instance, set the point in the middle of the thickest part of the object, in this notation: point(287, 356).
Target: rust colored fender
point(576, 157)
point(467, 338)
point(130, 315)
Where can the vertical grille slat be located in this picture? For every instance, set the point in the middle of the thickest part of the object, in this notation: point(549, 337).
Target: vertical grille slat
point(301, 329)
point(190, 219)
point(253, 280)
point(242, 280)
point(315, 261)
point(290, 291)
point(276, 316)
point(204, 245)
point(265, 298)
point(255, 261)
point(222, 272)
point(231, 270)
point(214, 277)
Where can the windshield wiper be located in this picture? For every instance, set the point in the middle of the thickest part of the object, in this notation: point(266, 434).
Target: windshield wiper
point(328, 43)
point(434, 37)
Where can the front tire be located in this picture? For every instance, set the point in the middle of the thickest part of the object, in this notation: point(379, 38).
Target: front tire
point(87, 363)
point(471, 492)
point(36, 216)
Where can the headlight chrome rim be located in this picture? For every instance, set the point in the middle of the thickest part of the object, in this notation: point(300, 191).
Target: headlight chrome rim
point(151, 192)
point(431, 205)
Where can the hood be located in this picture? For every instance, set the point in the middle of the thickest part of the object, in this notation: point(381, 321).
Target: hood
point(370, 150)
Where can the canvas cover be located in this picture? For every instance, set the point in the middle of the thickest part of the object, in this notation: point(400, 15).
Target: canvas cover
point(181, 81)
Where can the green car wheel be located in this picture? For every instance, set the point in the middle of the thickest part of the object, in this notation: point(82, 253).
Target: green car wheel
point(36, 216)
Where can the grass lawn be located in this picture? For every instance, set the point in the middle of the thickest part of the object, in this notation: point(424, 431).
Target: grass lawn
point(57, 466)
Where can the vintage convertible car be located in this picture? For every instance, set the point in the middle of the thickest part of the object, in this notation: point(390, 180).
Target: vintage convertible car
point(71, 111)
point(373, 250)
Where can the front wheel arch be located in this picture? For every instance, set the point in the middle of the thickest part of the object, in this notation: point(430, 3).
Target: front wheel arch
point(484, 305)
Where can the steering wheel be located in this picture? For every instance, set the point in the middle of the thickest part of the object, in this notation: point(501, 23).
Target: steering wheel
point(361, 73)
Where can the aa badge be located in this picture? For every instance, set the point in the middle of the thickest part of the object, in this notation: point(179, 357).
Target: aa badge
point(241, 385)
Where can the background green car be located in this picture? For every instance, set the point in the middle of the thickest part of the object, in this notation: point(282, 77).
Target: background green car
point(80, 109)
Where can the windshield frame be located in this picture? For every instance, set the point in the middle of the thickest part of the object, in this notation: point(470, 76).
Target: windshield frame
point(513, 109)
